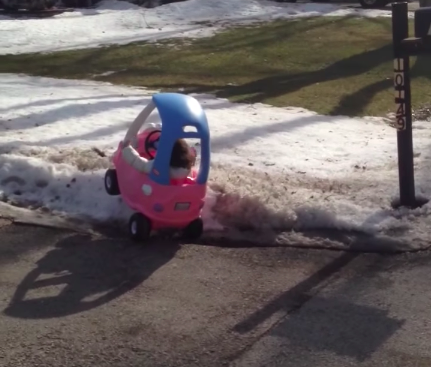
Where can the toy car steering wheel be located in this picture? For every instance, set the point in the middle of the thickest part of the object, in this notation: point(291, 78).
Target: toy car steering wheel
point(151, 144)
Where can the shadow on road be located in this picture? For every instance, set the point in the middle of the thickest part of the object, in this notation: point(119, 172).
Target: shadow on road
point(330, 323)
point(295, 297)
point(83, 274)
point(344, 328)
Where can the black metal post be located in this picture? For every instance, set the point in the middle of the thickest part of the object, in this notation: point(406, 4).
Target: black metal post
point(400, 31)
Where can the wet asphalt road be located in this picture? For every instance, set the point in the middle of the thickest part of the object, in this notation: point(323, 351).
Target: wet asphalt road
point(74, 300)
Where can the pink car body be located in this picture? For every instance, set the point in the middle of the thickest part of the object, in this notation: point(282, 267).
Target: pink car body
point(173, 206)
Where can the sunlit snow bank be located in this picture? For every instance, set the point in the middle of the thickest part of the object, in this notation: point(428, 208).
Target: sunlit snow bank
point(119, 22)
point(274, 170)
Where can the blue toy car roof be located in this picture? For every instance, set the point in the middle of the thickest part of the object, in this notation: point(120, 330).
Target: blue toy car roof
point(179, 109)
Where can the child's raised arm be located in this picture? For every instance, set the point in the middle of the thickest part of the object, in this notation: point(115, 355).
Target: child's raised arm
point(132, 157)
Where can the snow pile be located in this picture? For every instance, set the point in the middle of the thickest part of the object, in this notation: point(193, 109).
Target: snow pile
point(274, 169)
point(118, 22)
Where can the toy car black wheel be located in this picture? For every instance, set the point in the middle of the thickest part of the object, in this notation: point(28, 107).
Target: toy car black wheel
point(111, 182)
point(194, 230)
point(139, 227)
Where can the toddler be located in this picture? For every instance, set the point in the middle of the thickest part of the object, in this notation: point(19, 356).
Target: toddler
point(181, 163)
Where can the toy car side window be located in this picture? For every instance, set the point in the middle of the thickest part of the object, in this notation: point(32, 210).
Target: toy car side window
point(190, 129)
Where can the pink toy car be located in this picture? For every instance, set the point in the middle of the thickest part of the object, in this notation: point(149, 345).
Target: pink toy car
point(159, 201)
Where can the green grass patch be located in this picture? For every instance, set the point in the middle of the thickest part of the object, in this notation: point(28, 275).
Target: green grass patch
point(338, 66)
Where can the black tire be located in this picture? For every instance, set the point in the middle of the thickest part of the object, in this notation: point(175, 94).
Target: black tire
point(111, 182)
point(139, 227)
point(194, 230)
point(373, 4)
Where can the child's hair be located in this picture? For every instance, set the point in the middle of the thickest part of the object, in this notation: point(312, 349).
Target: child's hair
point(181, 156)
